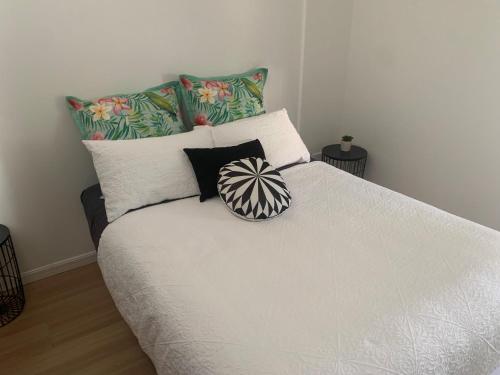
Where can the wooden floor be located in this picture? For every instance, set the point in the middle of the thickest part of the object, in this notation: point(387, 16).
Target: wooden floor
point(70, 326)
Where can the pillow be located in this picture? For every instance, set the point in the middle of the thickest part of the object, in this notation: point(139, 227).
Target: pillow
point(253, 190)
point(217, 100)
point(136, 173)
point(207, 162)
point(281, 142)
point(152, 113)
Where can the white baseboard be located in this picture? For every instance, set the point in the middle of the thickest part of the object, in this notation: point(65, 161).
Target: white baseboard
point(59, 267)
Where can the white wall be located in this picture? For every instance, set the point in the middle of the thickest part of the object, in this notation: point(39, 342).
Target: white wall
point(423, 95)
point(416, 82)
point(90, 48)
point(327, 31)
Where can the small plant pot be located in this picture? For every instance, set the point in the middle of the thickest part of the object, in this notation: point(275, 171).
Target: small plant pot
point(345, 146)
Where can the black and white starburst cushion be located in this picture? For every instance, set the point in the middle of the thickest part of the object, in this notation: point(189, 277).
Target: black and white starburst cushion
point(253, 190)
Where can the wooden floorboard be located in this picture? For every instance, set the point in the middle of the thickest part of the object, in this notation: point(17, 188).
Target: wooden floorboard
point(70, 325)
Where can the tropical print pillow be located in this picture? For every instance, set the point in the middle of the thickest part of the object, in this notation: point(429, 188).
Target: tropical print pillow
point(217, 100)
point(152, 113)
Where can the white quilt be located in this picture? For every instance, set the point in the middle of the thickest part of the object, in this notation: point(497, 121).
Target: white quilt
point(352, 279)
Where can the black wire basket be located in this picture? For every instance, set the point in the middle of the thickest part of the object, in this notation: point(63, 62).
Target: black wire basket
point(353, 161)
point(11, 286)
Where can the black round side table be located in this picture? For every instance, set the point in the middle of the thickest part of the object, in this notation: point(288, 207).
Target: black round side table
point(11, 285)
point(353, 161)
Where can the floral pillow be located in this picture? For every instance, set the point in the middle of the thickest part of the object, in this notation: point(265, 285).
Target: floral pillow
point(217, 100)
point(152, 113)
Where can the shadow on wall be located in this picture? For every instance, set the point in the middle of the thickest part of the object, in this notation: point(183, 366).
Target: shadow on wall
point(7, 207)
point(40, 181)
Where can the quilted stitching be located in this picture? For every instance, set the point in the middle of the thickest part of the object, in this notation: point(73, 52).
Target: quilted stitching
point(354, 279)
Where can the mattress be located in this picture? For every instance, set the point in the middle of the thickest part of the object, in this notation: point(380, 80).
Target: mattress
point(352, 279)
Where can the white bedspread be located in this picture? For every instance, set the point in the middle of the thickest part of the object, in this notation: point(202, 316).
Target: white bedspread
point(352, 279)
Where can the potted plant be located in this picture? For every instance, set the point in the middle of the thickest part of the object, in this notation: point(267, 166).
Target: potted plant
point(346, 143)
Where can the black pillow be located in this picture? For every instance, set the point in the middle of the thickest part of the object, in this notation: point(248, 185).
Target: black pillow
point(207, 162)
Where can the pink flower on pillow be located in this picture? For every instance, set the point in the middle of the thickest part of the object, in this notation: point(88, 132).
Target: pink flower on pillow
point(258, 76)
point(119, 105)
point(201, 119)
point(224, 90)
point(210, 84)
point(75, 104)
point(188, 85)
point(167, 90)
point(97, 136)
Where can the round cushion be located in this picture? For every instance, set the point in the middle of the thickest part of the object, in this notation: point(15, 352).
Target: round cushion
point(253, 190)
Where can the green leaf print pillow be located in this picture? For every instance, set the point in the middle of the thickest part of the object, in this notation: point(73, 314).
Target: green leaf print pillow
point(217, 100)
point(152, 113)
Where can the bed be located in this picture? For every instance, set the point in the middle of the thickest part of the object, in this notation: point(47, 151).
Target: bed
point(352, 279)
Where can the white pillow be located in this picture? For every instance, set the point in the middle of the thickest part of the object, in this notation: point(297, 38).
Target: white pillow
point(279, 138)
point(135, 173)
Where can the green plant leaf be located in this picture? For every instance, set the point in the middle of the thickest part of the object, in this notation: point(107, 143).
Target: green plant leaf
point(162, 103)
point(253, 89)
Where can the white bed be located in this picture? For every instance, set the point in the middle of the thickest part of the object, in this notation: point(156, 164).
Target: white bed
point(352, 279)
